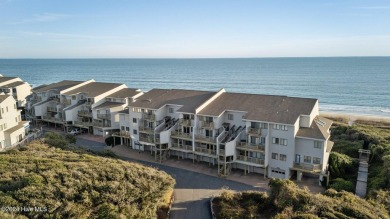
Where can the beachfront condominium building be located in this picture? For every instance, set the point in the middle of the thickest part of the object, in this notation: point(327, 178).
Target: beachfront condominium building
point(12, 129)
point(46, 103)
point(276, 136)
point(158, 113)
point(17, 88)
point(89, 105)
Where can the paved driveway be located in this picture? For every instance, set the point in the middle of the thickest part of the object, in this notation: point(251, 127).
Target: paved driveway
point(192, 190)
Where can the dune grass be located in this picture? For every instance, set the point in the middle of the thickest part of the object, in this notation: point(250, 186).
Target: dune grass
point(76, 184)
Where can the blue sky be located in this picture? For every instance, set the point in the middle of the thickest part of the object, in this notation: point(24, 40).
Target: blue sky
point(193, 28)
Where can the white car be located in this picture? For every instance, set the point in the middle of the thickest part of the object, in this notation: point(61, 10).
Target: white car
point(74, 132)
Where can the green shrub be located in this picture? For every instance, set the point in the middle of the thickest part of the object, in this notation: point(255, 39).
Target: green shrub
point(341, 165)
point(340, 184)
point(70, 138)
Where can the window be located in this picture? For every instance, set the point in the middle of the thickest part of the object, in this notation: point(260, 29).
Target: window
point(14, 106)
point(283, 157)
point(122, 128)
point(7, 108)
point(283, 141)
point(230, 116)
point(73, 97)
point(264, 125)
point(170, 110)
point(284, 127)
point(276, 126)
point(127, 129)
point(134, 120)
point(262, 140)
point(316, 160)
point(137, 110)
point(280, 141)
point(16, 119)
point(318, 144)
point(135, 132)
point(307, 159)
point(274, 156)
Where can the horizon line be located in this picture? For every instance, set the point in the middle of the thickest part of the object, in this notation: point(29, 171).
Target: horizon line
point(264, 57)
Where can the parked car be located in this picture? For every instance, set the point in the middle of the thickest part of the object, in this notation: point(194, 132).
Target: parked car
point(74, 132)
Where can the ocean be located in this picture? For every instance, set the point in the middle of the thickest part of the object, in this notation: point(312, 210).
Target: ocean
point(359, 85)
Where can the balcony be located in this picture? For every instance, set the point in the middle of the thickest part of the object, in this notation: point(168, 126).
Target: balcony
point(146, 129)
point(185, 122)
point(207, 124)
point(89, 103)
point(250, 147)
point(55, 99)
point(52, 118)
point(205, 139)
point(254, 131)
point(124, 134)
point(100, 124)
point(104, 116)
point(84, 113)
point(181, 147)
point(148, 139)
point(308, 167)
point(177, 134)
point(51, 109)
point(65, 102)
point(150, 117)
point(205, 151)
point(81, 123)
point(250, 159)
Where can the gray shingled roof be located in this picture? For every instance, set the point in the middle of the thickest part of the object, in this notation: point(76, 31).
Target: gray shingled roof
point(94, 89)
point(17, 127)
point(13, 84)
point(4, 79)
point(59, 86)
point(125, 92)
point(109, 104)
point(318, 129)
point(258, 107)
point(157, 98)
point(3, 97)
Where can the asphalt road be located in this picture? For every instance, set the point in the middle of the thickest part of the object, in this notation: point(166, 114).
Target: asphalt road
point(192, 190)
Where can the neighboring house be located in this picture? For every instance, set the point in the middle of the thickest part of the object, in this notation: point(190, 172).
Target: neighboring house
point(17, 88)
point(12, 129)
point(272, 135)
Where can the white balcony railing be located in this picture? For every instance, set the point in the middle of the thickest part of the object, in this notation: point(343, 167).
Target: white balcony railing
point(250, 159)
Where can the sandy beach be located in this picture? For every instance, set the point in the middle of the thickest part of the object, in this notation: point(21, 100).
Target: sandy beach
point(351, 118)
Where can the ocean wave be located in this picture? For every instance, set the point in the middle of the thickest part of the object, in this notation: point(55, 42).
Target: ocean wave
point(367, 110)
